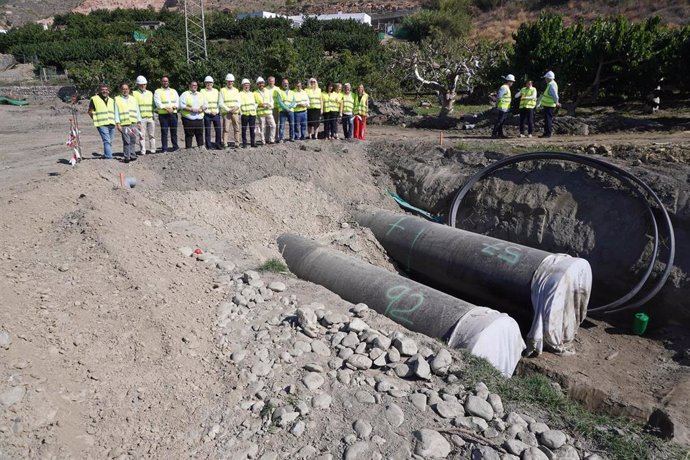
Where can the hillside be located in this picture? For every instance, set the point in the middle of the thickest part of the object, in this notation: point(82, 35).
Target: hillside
point(498, 22)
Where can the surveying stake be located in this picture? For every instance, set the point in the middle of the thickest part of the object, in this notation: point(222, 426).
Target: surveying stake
point(73, 140)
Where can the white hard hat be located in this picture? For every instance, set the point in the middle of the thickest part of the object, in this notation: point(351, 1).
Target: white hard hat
point(550, 75)
point(229, 77)
point(208, 79)
point(141, 80)
point(260, 80)
point(245, 81)
point(509, 77)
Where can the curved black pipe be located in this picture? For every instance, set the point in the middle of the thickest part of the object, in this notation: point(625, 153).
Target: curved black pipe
point(614, 171)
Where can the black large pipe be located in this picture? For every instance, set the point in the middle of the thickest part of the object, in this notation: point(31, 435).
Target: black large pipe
point(418, 307)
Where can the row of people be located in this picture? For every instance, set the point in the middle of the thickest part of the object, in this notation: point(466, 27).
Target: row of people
point(210, 111)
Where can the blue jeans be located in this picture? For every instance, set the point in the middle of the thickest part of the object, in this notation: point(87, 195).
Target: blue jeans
point(107, 133)
point(290, 117)
point(348, 125)
point(168, 123)
point(300, 125)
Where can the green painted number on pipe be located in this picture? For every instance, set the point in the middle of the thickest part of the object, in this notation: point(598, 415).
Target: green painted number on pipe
point(508, 254)
point(398, 298)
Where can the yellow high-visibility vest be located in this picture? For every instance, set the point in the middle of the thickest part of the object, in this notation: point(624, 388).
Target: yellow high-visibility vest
point(127, 109)
point(301, 97)
point(546, 99)
point(247, 103)
point(528, 103)
point(348, 103)
point(231, 97)
point(331, 102)
point(262, 97)
point(314, 97)
point(163, 96)
point(504, 102)
point(145, 101)
point(362, 104)
point(104, 114)
point(211, 99)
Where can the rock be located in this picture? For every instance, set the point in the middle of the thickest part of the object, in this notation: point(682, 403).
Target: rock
point(403, 371)
point(313, 367)
point(447, 409)
point(5, 340)
point(322, 401)
point(553, 439)
point(393, 355)
point(313, 380)
point(362, 428)
point(12, 396)
point(359, 362)
point(356, 325)
point(298, 429)
point(528, 438)
point(360, 309)
point(405, 345)
point(261, 369)
point(307, 452)
point(394, 415)
point(306, 319)
point(381, 342)
point(566, 453)
point(481, 391)
point(479, 407)
point(441, 362)
point(431, 444)
point(471, 423)
point(419, 367)
point(225, 265)
point(331, 318)
point(418, 400)
point(277, 286)
point(238, 356)
point(63, 268)
point(496, 404)
point(364, 397)
point(7, 61)
point(250, 275)
point(269, 456)
point(360, 451)
point(515, 447)
point(350, 341)
point(186, 251)
point(285, 418)
point(485, 453)
point(533, 453)
point(320, 348)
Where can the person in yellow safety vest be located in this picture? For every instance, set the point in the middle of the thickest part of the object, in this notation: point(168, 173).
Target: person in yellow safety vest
point(550, 101)
point(528, 101)
point(166, 101)
point(314, 109)
point(128, 122)
point(503, 100)
point(144, 98)
point(347, 106)
point(193, 105)
point(285, 101)
point(211, 114)
point(229, 102)
point(339, 92)
point(301, 107)
point(248, 108)
point(273, 91)
point(331, 109)
point(360, 111)
point(102, 112)
point(264, 113)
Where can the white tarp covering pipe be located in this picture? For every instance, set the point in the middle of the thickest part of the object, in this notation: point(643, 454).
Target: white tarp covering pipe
point(548, 291)
point(482, 331)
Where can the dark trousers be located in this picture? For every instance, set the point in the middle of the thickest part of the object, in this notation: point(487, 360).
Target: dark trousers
point(549, 113)
point(248, 121)
point(330, 124)
point(348, 125)
point(215, 121)
point(193, 129)
point(526, 116)
point(500, 121)
point(300, 125)
point(168, 122)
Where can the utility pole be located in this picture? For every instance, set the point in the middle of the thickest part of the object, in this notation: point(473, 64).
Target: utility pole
point(195, 30)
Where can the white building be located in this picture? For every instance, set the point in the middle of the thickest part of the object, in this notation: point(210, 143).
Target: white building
point(299, 19)
point(260, 14)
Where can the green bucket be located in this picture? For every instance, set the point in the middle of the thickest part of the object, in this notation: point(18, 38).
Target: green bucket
point(640, 323)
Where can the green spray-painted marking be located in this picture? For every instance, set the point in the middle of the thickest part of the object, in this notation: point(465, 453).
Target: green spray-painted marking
point(509, 254)
point(409, 253)
point(396, 294)
point(395, 225)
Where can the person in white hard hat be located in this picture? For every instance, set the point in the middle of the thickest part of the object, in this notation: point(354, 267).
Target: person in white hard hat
point(248, 113)
point(549, 101)
point(211, 114)
point(265, 128)
point(146, 108)
point(192, 107)
point(503, 100)
point(229, 102)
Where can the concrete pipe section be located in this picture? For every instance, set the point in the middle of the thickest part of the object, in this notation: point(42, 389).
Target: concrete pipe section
point(551, 289)
point(482, 331)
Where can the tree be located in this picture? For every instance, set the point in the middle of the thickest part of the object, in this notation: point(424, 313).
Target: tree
point(448, 18)
point(448, 66)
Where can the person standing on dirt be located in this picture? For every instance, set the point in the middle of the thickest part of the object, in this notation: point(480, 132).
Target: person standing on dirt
point(314, 109)
point(144, 98)
point(102, 112)
point(360, 111)
point(347, 106)
point(192, 107)
point(285, 101)
point(248, 113)
point(528, 101)
point(339, 92)
point(211, 114)
point(264, 113)
point(273, 91)
point(229, 102)
point(549, 101)
point(128, 122)
point(503, 100)
point(166, 100)
point(331, 104)
point(301, 107)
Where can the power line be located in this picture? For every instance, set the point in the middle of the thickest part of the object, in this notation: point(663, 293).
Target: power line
point(195, 30)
